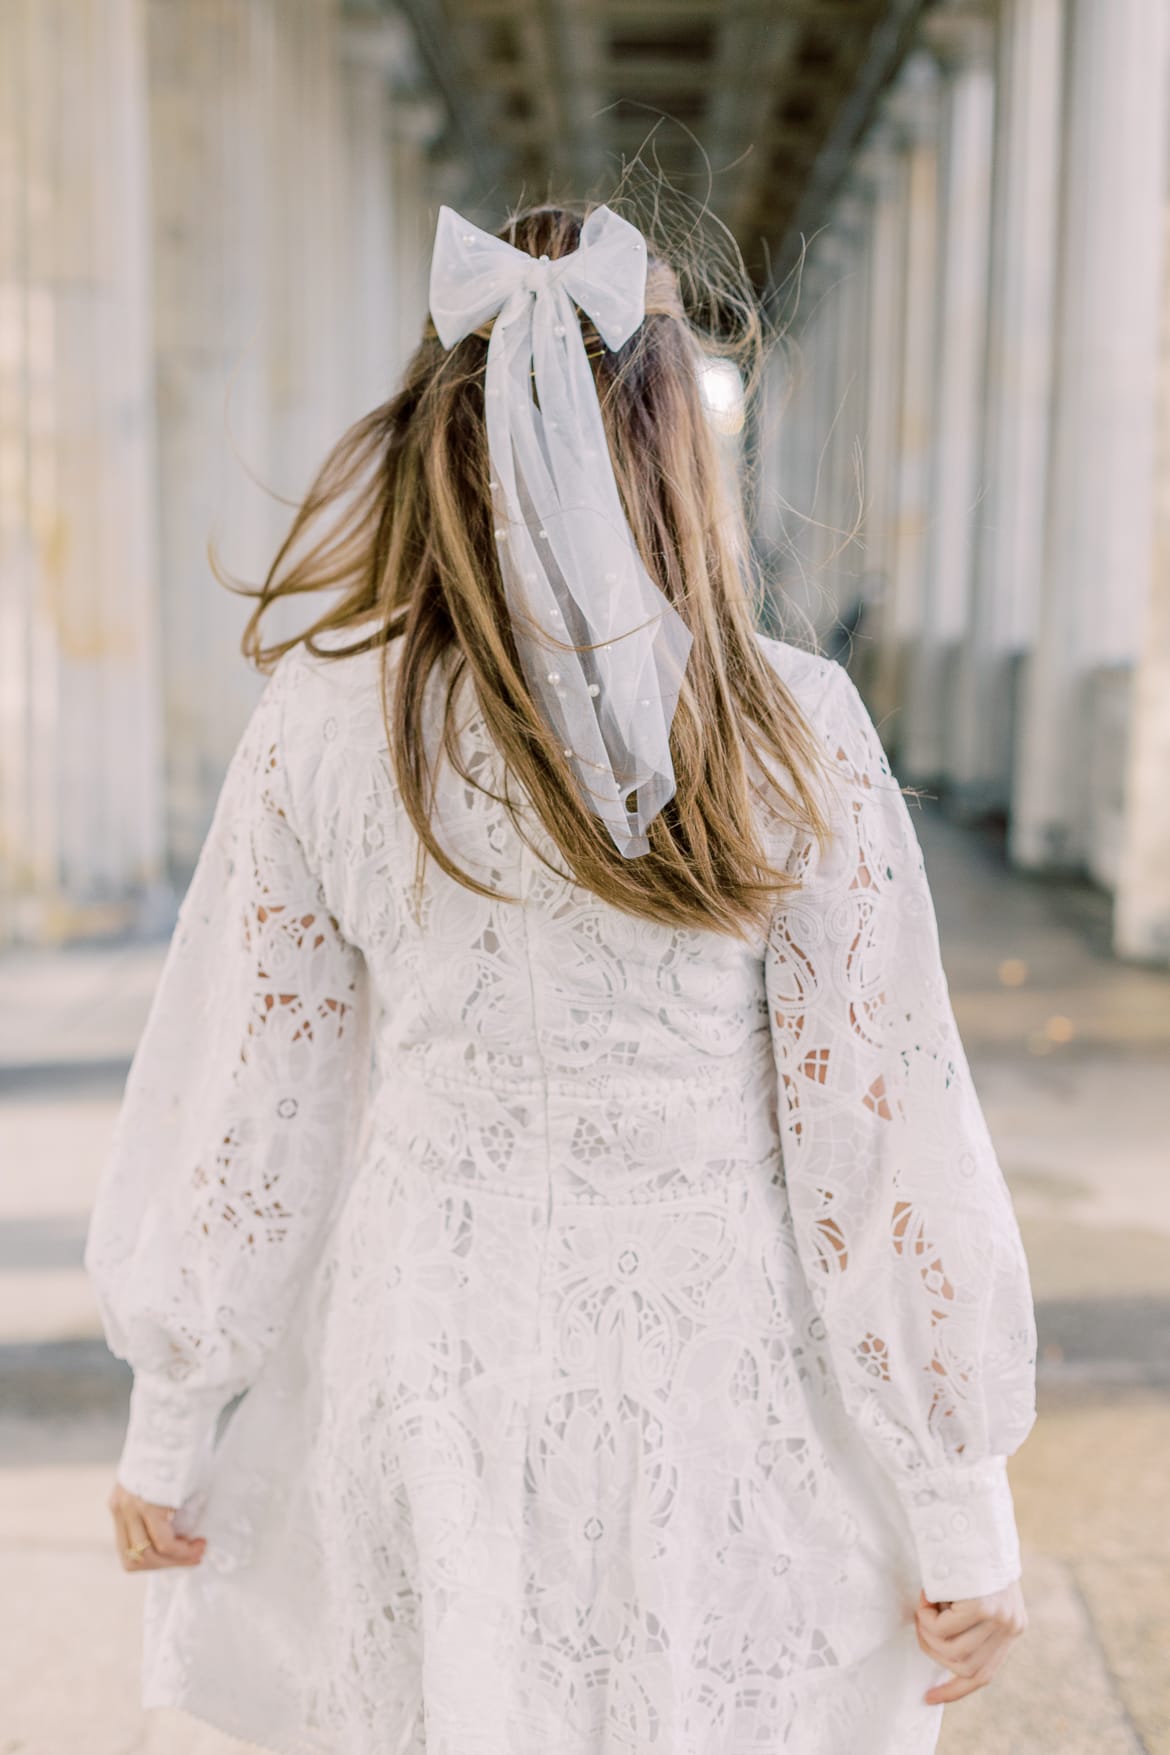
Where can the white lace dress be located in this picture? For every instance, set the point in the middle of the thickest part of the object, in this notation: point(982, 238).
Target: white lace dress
point(631, 1319)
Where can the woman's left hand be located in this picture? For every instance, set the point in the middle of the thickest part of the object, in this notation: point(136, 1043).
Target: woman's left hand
point(145, 1536)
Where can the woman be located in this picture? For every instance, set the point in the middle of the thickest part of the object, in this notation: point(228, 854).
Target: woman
point(629, 1356)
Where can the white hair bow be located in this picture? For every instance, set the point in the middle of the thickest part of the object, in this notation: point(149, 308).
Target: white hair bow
point(571, 571)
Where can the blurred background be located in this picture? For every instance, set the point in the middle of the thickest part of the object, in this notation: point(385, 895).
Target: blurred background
point(215, 226)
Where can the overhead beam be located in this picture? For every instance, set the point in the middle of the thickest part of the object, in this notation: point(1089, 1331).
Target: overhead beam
point(752, 53)
point(543, 95)
point(631, 12)
point(572, 31)
point(888, 46)
point(603, 70)
point(439, 47)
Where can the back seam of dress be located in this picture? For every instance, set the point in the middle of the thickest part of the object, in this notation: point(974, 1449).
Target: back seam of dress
point(542, 1338)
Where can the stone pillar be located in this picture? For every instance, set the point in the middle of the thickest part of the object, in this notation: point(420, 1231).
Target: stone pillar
point(845, 438)
point(310, 290)
point(376, 53)
point(809, 436)
point(960, 327)
point(913, 110)
point(1142, 907)
point(79, 733)
point(883, 167)
point(1098, 552)
point(415, 123)
point(1009, 527)
point(768, 415)
point(211, 84)
point(783, 438)
point(254, 329)
point(814, 429)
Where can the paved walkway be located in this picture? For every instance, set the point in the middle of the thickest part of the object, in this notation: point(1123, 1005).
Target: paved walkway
point(1071, 1053)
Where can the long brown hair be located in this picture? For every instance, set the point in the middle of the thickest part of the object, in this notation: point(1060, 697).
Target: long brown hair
point(399, 522)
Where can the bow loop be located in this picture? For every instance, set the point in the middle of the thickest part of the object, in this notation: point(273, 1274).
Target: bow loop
point(607, 276)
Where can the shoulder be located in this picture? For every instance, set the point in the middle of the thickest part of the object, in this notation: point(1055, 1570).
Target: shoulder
point(835, 711)
point(315, 677)
point(332, 695)
point(326, 714)
point(820, 687)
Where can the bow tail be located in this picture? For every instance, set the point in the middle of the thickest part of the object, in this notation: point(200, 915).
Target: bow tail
point(602, 649)
point(644, 642)
point(546, 620)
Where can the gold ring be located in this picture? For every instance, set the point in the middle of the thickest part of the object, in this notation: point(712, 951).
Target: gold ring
point(138, 1550)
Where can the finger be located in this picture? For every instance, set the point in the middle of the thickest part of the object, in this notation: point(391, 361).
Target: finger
point(926, 1620)
point(945, 1693)
point(121, 1539)
point(168, 1544)
point(137, 1555)
point(975, 1675)
point(990, 1660)
point(951, 1634)
point(952, 1646)
point(969, 1662)
point(152, 1560)
point(931, 1625)
point(957, 1618)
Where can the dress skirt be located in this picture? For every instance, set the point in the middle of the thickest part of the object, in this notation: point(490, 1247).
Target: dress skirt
point(524, 1478)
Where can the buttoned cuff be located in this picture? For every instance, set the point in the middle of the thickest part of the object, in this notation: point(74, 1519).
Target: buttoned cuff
point(964, 1527)
point(169, 1440)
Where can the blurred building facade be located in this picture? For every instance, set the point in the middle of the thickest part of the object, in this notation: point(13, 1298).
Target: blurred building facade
point(215, 219)
point(214, 222)
point(967, 439)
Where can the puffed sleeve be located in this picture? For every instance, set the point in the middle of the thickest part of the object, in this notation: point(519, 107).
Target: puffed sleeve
point(904, 1223)
point(244, 1099)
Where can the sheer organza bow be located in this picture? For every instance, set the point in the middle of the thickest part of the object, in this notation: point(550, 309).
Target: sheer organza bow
point(602, 648)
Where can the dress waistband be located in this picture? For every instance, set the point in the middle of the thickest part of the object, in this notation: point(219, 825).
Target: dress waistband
point(452, 1069)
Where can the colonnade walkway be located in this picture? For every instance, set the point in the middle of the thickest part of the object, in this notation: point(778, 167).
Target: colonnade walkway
point(1070, 1051)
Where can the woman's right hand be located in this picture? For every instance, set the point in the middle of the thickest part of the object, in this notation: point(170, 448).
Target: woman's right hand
point(970, 1636)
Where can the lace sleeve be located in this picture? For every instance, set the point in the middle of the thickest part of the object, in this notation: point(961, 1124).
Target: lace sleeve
point(903, 1219)
point(242, 1104)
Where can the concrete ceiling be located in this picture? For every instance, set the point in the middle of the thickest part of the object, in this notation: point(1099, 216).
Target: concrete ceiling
point(754, 104)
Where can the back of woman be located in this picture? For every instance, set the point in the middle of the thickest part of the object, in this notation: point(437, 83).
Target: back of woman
point(551, 1119)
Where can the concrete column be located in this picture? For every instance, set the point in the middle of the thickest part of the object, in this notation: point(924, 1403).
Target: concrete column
point(786, 424)
point(852, 219)
point(1009, 527)
point(1100, 512)
point(1142, 906)
point(819, 419)
point(376, 55)
point(310, 292)
point(813, 430)
point(254, 266)
point(79, 732)
point(415, 123)
point(211, 91)
point(914, 111)
point(960, 327)
point(812, 427)
point(883, 167)
point(768, 417)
